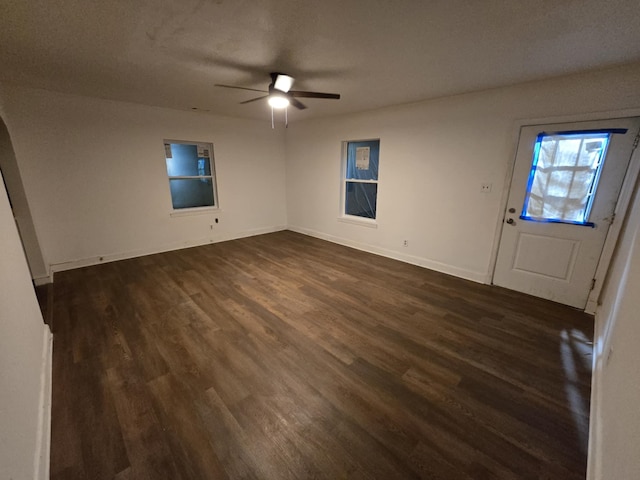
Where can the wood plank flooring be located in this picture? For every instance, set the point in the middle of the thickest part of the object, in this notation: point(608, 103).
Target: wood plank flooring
point(282, 356)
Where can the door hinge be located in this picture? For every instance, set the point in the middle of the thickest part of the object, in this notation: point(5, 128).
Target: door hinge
point(610, 218)
point(593, 284)
point(636, 141)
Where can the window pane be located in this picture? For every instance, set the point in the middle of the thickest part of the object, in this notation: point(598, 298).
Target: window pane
point(191, 192)
point(184, 161)
point(361, 199)
point(564, 175)
point(362, 160)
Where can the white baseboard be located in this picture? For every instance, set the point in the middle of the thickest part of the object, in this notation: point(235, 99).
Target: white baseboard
point(419, 261)
point(114, 257)
point(595, 426)
point(477, 277)
point(43, 446)
point(39, 281)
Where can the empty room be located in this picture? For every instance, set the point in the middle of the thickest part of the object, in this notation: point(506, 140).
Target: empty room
point(281, 239)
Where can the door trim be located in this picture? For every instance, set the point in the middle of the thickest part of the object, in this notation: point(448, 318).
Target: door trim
point(626, 192)
point(624, 198)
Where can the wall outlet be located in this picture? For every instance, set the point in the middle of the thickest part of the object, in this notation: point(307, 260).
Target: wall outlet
point(485, 187)
point(405, 243)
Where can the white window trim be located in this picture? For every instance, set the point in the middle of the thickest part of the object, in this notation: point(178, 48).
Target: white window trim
point(355, 220)
point(184, 212)
point(343, 217)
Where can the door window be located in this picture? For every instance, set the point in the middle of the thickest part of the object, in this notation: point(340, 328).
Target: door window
point(564, 176)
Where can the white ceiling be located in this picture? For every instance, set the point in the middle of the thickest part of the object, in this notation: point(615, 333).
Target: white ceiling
point(375, 52)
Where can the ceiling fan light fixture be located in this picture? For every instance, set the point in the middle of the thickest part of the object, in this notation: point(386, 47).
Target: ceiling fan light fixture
point(278, 101)
point(283, 83)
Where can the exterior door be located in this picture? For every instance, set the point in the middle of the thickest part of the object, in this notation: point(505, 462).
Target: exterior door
point(565, 185)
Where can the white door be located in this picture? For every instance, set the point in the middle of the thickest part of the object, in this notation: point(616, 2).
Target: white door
point(563, 193)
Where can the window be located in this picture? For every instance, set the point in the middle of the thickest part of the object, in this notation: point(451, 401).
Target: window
point(191, 174)
point(564, 176)
point(360, 184)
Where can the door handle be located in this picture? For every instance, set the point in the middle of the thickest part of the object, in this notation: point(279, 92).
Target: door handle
point(510, 221)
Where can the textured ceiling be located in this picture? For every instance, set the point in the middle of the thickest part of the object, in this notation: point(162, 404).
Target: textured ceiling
point(375, 53)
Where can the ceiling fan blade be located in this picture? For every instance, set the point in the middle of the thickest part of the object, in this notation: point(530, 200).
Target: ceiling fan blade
point(297, 103)
point(299, 93)
point(239, 88)
point(254, 99)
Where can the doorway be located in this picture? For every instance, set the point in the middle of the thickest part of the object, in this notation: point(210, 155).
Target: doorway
point(564, 190)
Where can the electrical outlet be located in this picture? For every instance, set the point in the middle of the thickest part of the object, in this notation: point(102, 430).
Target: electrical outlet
point(485, 187)
point(405, 243)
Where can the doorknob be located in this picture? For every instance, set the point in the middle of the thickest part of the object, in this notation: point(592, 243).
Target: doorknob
point(510, 221)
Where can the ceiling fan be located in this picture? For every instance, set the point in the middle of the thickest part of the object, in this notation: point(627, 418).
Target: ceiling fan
point(280, 95)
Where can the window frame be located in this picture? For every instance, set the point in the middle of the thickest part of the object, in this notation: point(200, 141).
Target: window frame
point(212, 177)
point(345, 217)
point(594, 183)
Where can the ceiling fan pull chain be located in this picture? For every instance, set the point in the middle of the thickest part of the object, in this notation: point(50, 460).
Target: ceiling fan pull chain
point(286, 117)
point(272, 125)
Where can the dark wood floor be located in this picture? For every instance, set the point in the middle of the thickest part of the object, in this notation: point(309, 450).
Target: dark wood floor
point(282, 356)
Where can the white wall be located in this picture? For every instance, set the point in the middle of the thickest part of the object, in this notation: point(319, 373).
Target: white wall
point(94, 173)
point(20, 206)
point(25, 362)
point(434, 156)
point(615, 412)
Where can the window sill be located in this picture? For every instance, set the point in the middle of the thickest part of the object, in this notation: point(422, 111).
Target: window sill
point(365, 222)
point(194, 211)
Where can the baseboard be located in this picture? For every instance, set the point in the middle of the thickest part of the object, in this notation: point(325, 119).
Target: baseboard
point(413, 260)
point(595, 435)
point(43, 445)
point(114, 257)
point(419, 261)
point(39, 281)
